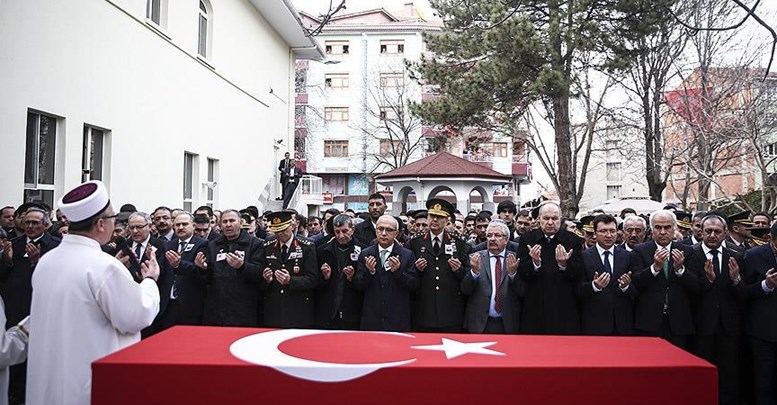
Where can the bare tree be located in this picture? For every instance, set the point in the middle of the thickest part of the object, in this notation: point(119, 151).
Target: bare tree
point(392, 132)
point(704, 139)
point(584, 133)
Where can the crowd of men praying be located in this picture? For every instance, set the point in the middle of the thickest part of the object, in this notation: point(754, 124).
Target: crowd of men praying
point(703, 281)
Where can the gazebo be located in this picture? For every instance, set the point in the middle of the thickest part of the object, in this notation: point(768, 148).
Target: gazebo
point(443, 172)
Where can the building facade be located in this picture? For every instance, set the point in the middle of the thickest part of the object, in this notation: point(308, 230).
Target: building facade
point(174, 102)
point(720, 136)
point(353, 117)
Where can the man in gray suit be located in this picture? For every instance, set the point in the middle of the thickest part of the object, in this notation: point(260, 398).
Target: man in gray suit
point(493, 270)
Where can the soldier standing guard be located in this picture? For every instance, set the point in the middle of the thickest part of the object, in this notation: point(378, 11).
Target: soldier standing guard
point(442, 260)
point(290, 276)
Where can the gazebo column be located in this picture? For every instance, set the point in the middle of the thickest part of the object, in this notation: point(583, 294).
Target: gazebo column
point(462, 197)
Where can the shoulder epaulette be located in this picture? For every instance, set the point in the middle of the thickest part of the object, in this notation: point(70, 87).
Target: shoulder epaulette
point(269, 242)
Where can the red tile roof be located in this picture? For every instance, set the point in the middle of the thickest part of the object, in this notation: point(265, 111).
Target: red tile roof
point(443, 164)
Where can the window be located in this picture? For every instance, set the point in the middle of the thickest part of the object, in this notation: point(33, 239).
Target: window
point(212, 181)
point(203, 33)
point(336, 80)
point(389, 113)
point(40, 157)
point(500, 149)
point(614, 172)
point(770, 149)
point(392, 47)
point(92, 154)
point(155, 11)
point(392, 80)
point(613, 192)
point(611, 148)
point(189, 161)
point(336, 113)
point(390, 147)
point(335, 148)
point(336, 47)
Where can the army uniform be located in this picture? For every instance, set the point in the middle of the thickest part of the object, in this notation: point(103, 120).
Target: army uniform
point(292, 305)
point(439, 304)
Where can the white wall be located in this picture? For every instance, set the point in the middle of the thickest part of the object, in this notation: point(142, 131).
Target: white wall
point(90, 61)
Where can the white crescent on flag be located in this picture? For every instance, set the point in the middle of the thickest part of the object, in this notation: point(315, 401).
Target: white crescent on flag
point(262, 349)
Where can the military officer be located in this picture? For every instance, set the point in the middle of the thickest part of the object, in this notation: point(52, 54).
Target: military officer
point(290, 276)
point(442, 260)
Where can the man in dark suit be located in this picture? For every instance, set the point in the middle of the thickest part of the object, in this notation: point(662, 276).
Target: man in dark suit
point(365, 231)
point(761, 324)
point(283, 168)
point(695, 235)
point(387, 276)
point(203, 229)
point(187, 289)
point(634, 228)
point(606, 295)
point(718, 307)
point(551, 265)
point(492, 286)
point(289, 276)
point(20, 256)
point(142, 241)
point(338, 302)
point(664, 284)
point(442, 260)
point(293, 175)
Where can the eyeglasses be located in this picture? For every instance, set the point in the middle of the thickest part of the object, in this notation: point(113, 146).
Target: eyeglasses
point(383, 229)
point(114, 216)
point(136, 227)
point(181, 224)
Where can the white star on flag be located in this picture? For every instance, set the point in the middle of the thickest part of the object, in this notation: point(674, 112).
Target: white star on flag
point(453, 348)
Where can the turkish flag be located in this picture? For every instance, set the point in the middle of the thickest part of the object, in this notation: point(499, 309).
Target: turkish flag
point(244, 365)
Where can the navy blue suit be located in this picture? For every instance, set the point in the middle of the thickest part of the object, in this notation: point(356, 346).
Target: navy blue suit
point(386, 294)
point(189, 283)
point(611, 310)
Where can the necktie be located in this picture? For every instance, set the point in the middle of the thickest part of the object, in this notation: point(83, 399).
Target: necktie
point(548, 239)
point(436, 244)
point(666, 268)
point(498, 278)
point(383, 257)
point(607, 266)
point(139, 252)
point(181, 246)
point(715, 261)
point(284, 253)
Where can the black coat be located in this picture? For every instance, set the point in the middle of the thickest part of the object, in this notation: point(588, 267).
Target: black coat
point(338, 297)
point(719, 303)
point(16, 280)
point(762, 307)
point(364, 233)
point(439, 302)
point(292, 305)
point(611, 310)
point(232, 297)
point(550, 303)
point(386, 294)
point(655, 291)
